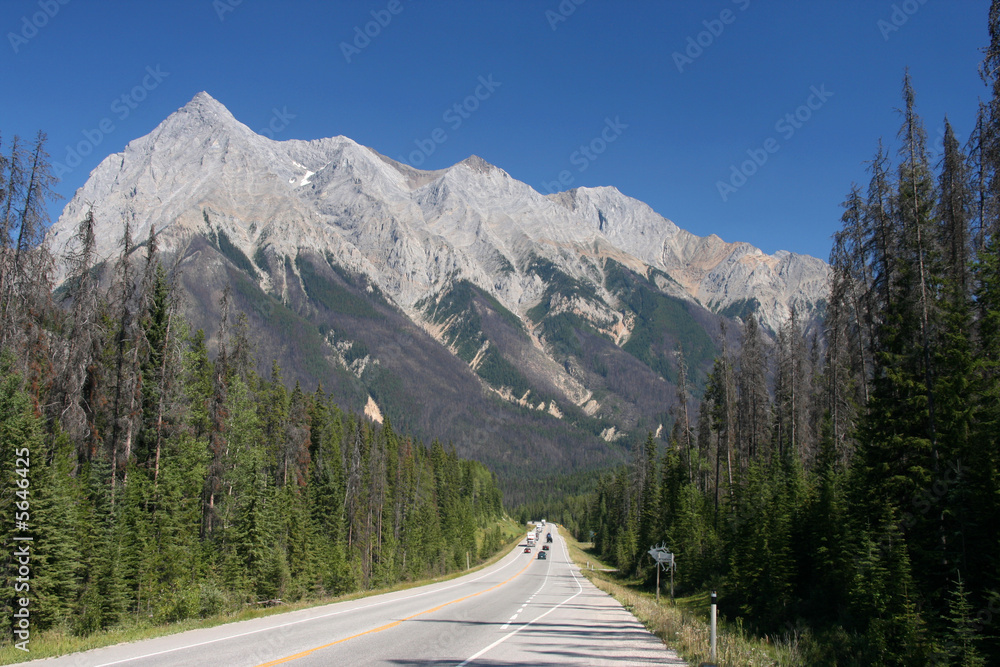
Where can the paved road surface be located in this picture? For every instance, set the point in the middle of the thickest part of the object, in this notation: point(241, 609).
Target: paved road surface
point(519, 611)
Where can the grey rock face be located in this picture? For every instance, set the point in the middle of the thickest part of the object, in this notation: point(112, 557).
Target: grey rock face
point(411, 231)
point(460, 302)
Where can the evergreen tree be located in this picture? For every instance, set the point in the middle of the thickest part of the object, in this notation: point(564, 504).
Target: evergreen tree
point(962, 639)
point(649, 511)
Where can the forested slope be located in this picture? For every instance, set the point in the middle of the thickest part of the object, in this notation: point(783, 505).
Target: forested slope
point(151, 481)
point(843, 490)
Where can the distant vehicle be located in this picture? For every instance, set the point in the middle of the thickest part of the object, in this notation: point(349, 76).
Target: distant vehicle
point(541, 555)
point(527, 550)
point(548, 537)
point(545, 547)
point(531, 541)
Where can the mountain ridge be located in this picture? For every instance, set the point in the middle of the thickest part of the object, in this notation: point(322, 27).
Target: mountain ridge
point(571, 306)
point(621, 226)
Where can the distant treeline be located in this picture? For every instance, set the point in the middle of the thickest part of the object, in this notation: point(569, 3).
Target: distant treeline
point(151, 480)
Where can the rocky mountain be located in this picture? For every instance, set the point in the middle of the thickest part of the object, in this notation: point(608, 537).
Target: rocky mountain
point(528, 329)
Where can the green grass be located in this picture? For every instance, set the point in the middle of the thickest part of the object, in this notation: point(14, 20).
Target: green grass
point(683, 626)
point(56, 642)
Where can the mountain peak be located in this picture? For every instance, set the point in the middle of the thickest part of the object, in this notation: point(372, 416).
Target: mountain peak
point(476, 163)
point(203, 98)
point(208, 109)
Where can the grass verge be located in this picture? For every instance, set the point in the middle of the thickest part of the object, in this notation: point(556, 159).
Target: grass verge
point(683, 626)
point(56, 642)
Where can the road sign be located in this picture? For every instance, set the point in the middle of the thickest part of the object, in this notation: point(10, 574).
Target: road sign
point(664, 559)
point(661, 555)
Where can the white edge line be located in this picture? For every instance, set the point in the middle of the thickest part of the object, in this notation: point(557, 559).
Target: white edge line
point(507, 636)
point(304, 620)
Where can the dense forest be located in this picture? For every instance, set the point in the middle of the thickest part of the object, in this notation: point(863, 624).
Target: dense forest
point(843, 488)
point(142, 477)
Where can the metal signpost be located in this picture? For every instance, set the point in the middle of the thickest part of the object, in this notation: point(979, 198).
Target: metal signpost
point(663, 559)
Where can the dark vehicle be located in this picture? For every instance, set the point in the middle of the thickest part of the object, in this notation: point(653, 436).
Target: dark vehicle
point(548, 537)
point(545, 547)
point(542, 555)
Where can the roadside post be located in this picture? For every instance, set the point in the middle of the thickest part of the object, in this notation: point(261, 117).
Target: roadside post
point(711, 636)
point(712, 632)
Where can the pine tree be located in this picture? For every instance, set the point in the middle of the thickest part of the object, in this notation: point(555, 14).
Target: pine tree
point(962, 640)
point(954, 214)
point(753, 403)
point(989, 137)
point(82, 348)
point(21, 460)
point(25, 264)
point(683, 415)
point(649, 511)
point(56, 503)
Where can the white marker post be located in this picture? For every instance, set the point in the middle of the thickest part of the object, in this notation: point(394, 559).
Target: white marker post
point(712, 634)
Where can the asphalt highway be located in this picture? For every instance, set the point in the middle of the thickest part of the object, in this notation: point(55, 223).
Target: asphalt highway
point(519, 611)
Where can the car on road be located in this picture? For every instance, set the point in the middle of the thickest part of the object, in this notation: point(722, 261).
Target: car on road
point(542, 555)
point(527, 550)
point(548, 537)
point(545, 547)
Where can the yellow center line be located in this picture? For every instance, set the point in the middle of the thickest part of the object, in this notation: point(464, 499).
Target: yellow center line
point(391, 625)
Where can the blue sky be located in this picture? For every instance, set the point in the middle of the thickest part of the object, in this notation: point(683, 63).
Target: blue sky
point(663, 100)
